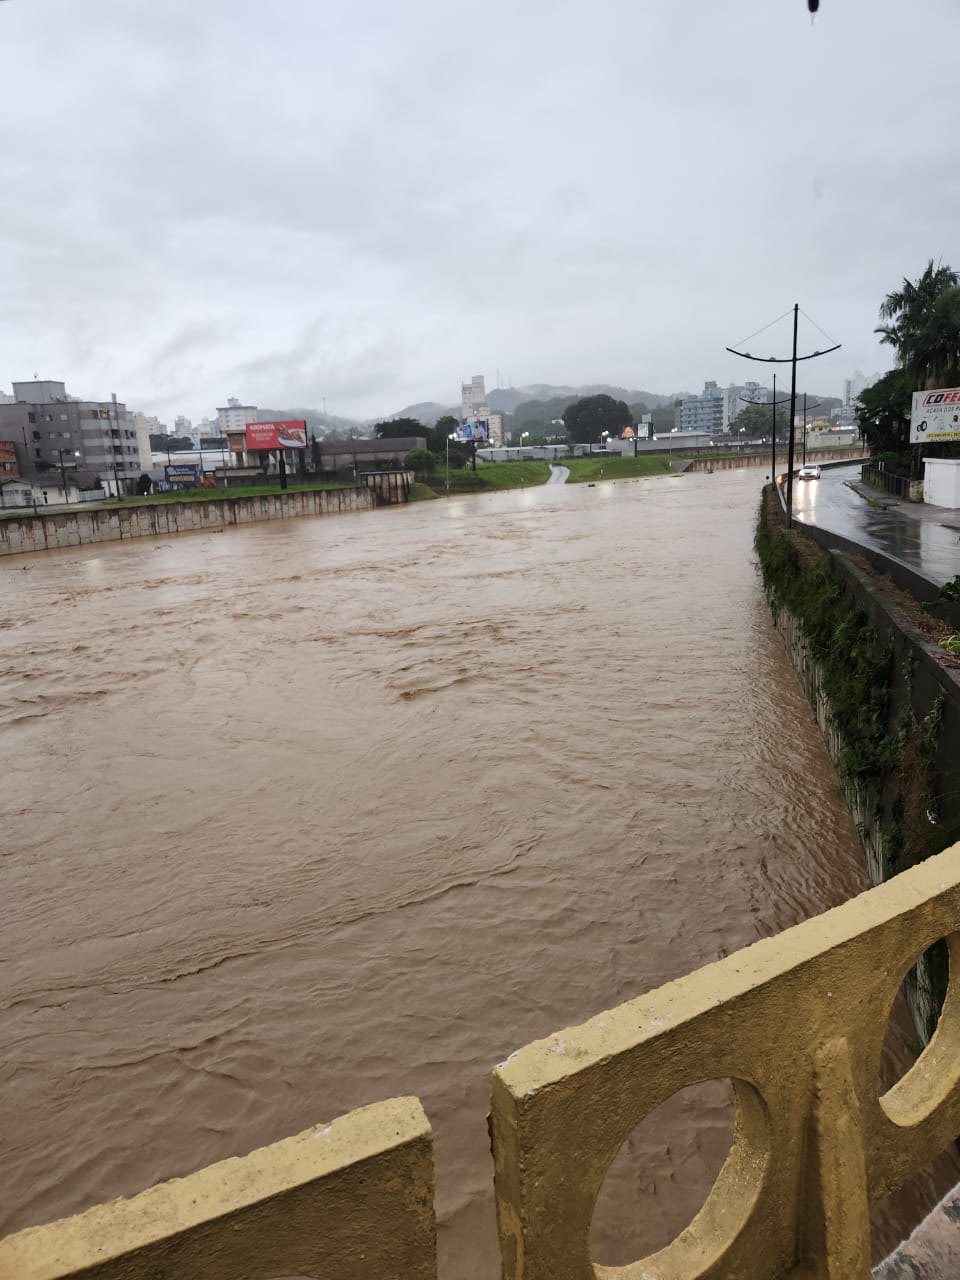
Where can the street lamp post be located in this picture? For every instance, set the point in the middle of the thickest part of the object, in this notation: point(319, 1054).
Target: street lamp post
point(805, 407)
point(447, 484)
point(63, 472)
point(523, 436)
point(791, 360)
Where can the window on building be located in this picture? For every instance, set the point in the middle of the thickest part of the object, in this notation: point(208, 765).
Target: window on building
point(38, 451)
point(31, 416)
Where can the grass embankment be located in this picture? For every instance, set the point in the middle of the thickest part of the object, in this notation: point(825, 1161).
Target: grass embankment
point(421, 492)
point(207, 495)
point(592, 469)
point(491, 476)
point(173, 495)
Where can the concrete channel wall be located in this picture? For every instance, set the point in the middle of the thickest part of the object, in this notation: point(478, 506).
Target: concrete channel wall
point(733, 462)
point(19, 534)
point(915, 808)
point(795, 1022)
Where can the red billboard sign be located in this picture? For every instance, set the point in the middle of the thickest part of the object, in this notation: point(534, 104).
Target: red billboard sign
point(290, 434)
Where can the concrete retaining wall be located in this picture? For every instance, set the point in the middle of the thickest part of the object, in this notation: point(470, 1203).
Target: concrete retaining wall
point(19, 534)
point(733, 462)
point(922, 690)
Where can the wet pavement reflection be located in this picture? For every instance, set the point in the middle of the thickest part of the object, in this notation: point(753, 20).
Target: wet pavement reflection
point(928, 541)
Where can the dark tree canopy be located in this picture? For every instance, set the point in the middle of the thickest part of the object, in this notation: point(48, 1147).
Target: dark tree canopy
point(175, 444)
point(398, 428)
point(588, 418)
point(923, 326)
point(884, 412)
point(757, 420)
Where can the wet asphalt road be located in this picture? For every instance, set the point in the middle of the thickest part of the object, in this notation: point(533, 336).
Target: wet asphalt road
point(930, 544)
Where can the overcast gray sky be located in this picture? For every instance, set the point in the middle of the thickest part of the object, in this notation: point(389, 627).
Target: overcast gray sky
point(371, 201)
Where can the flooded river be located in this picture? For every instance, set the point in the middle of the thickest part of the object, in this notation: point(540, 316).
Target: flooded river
point(304, 815)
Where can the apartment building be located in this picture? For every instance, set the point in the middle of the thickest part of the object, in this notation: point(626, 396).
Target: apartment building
point(54, 434)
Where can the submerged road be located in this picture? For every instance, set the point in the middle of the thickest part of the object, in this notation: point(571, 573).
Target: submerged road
point(925, 538)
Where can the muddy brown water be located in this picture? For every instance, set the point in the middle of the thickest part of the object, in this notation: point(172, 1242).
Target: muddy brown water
point(305, 815)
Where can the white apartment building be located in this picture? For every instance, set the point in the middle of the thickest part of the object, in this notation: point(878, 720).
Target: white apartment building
point(474, 408)
point(704, 413)
point(233, 416)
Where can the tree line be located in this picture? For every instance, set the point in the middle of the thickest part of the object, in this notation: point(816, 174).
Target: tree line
point(921, 322)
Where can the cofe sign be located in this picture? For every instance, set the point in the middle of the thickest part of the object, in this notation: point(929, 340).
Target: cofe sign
point(936, 415)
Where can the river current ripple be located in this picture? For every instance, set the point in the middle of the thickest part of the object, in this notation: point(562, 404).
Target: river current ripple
point(305, 815)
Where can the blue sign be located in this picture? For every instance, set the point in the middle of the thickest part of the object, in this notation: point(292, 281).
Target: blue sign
point(182, 473)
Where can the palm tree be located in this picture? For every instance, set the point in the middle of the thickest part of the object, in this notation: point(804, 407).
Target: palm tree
point(924, 323)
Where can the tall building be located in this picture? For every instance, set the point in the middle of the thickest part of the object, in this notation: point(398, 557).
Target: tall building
point(55, 434)
point(146, 427)
point(233, 416)
point(703, 413)
point(853, 386)
point(736, 398)
point(181, 426)
point(474, 408)
point(473, 398)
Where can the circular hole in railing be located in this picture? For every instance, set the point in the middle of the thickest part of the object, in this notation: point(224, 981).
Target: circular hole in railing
point(915, 1078)
point(674, 1165)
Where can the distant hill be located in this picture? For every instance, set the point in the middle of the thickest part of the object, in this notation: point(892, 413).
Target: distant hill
point(506, 399)
point(427, 412)
point(319, 424)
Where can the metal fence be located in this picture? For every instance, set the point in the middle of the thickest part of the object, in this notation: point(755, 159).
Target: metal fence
point(877, 476)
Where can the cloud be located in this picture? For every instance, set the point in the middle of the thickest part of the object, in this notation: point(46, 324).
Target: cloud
point(371, 202)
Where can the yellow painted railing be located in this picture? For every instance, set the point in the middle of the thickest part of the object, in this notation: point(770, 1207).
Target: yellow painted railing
point(795, 1022)
point(352, 1199)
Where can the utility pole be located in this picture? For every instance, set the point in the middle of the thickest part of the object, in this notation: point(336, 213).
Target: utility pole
point(793, 359)
point(773, 438)
point(813, 406)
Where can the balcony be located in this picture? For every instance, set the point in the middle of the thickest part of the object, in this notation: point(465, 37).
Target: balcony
point(795, 1022)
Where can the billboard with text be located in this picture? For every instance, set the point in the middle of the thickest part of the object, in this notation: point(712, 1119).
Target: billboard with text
point(181, 473)
point(287, 434)
point(936, 415)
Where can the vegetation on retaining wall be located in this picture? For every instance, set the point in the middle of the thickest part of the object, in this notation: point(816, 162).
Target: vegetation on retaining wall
point(856, 664)
point(880, 696)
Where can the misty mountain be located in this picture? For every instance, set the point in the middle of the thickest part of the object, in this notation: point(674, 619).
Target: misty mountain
point(427, 412)
point(319, 424)
point(506, 399)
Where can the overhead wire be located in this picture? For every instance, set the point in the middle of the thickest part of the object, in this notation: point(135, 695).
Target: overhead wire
point(764, 329)
point(817, 327)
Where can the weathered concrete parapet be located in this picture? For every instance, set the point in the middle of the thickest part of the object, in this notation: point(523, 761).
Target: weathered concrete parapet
point(350, 1200)
point(797, 1024)
point(79, 527)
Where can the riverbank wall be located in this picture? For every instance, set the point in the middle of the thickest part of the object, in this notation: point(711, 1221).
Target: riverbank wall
point(734, 462)
point(20, 534)
point(886, 697)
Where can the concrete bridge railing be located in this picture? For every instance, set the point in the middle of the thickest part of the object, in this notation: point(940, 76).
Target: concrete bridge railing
point(797, 1024)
